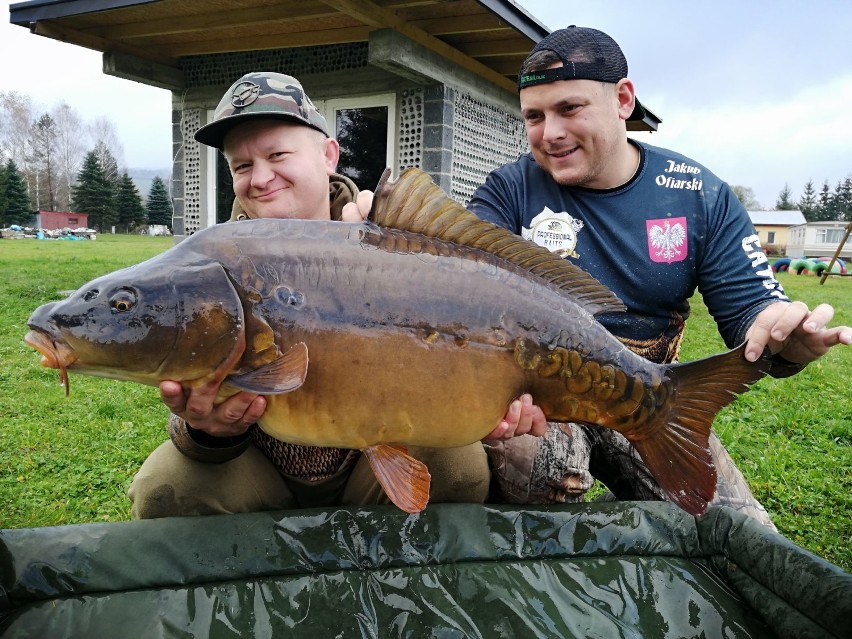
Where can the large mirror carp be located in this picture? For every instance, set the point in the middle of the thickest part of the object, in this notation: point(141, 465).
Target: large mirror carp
point(418, 327)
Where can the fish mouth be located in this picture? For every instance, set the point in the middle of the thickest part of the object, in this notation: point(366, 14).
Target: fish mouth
point(54, 354)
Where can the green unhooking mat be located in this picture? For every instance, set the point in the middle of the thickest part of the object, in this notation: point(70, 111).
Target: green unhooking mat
point(456, 570)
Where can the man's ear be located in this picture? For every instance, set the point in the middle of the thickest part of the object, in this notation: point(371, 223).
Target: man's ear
point(331, 152)
point(626, 95)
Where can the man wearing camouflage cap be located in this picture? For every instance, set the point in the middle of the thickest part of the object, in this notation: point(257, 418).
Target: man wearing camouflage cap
point(282, 160)
point(651, 225)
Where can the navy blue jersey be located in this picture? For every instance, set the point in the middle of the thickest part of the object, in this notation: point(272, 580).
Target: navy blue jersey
point(672, 228)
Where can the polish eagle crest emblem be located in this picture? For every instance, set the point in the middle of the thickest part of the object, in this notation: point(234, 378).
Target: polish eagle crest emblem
point(667, 241)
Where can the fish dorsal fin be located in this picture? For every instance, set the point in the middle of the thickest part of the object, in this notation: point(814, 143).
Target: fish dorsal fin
point(284, 374)
point(404, 479)
point(414, 203)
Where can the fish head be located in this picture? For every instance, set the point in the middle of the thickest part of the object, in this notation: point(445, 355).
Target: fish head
point(151, 322)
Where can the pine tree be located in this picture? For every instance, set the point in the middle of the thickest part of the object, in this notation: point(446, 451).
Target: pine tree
point(108, 163)
point(808, 203)
point(825, 210)
point(93, 194)
point(128, 203)
point(3, 198)
point(784, 203)
point(159, 204)
point(18, 208)
point(843, 199)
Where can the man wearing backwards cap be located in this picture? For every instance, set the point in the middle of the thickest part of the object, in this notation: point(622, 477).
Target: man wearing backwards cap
point(282, 160)
point(651, 225)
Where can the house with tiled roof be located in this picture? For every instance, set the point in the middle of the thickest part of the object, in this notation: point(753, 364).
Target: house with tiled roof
point(773, 227)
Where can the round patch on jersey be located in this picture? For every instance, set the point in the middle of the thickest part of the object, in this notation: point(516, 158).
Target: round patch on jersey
point(554, 231)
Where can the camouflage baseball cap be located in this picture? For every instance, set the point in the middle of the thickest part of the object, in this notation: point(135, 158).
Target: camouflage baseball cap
point(257, 96)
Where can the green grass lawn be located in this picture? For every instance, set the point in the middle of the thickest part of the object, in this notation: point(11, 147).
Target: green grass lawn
point(70, 460)
point(67, 460)
point(792, 438)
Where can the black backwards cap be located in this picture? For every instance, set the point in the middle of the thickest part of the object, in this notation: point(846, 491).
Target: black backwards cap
point(586, 54)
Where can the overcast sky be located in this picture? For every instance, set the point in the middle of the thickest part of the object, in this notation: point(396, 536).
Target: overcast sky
point(759, 92)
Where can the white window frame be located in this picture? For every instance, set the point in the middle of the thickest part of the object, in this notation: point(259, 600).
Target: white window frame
point(210, 178)
point(329, 109)
point(829, 236)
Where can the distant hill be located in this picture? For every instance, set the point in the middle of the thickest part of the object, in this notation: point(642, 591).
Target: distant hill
point(142, 178)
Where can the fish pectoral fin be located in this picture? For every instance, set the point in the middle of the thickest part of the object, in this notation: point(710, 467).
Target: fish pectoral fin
point(285, 374)
point(404, 479)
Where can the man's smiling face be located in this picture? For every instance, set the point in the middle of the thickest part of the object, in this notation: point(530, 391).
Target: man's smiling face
point(575, 128)
point(281, 169)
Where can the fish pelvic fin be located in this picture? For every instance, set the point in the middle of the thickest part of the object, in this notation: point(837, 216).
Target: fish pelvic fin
point(404, 479)
point(414, 203)
point(285, 374)
point(675, 444)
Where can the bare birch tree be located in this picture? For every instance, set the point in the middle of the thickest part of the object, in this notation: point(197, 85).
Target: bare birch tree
point(44, 161)
point(16, 117)
point(71, 150)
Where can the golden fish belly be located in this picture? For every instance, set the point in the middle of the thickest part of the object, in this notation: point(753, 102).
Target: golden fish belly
point(405, 387)
point(386, 386)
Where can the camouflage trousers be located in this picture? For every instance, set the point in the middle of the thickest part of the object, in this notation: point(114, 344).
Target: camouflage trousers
point(563, 465)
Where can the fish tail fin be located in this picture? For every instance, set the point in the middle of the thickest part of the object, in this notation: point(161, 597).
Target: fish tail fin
point(404, 479)
point(675, 444)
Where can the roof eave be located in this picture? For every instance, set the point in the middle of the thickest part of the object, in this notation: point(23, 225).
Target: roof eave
point(517, 17)
point(650, 122)
point(25, 13)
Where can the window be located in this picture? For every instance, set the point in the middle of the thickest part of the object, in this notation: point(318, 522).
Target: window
point(770, 237)
point(365, 129)
point(829, 236)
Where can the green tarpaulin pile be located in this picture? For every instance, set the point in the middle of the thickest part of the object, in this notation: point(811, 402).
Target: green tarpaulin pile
point(456, 570)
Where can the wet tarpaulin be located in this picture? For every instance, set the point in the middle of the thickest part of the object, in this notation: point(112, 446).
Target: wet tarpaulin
point(456, 570)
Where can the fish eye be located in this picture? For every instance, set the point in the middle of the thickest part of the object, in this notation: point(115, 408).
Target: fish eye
point(88, 296)
point(122, 301)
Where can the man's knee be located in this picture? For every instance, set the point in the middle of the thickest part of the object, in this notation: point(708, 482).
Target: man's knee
point(542, 470)
point(458, 474)
point(170, 484)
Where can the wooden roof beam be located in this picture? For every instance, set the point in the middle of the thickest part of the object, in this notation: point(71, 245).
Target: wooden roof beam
point(275, 41)
point(53, 30)
point(397, 54)
point(519, 46)
point(462, 24)
point(377, 17)
point(207, 21)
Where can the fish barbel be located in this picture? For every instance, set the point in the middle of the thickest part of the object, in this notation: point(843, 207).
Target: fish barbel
point(416, 328)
